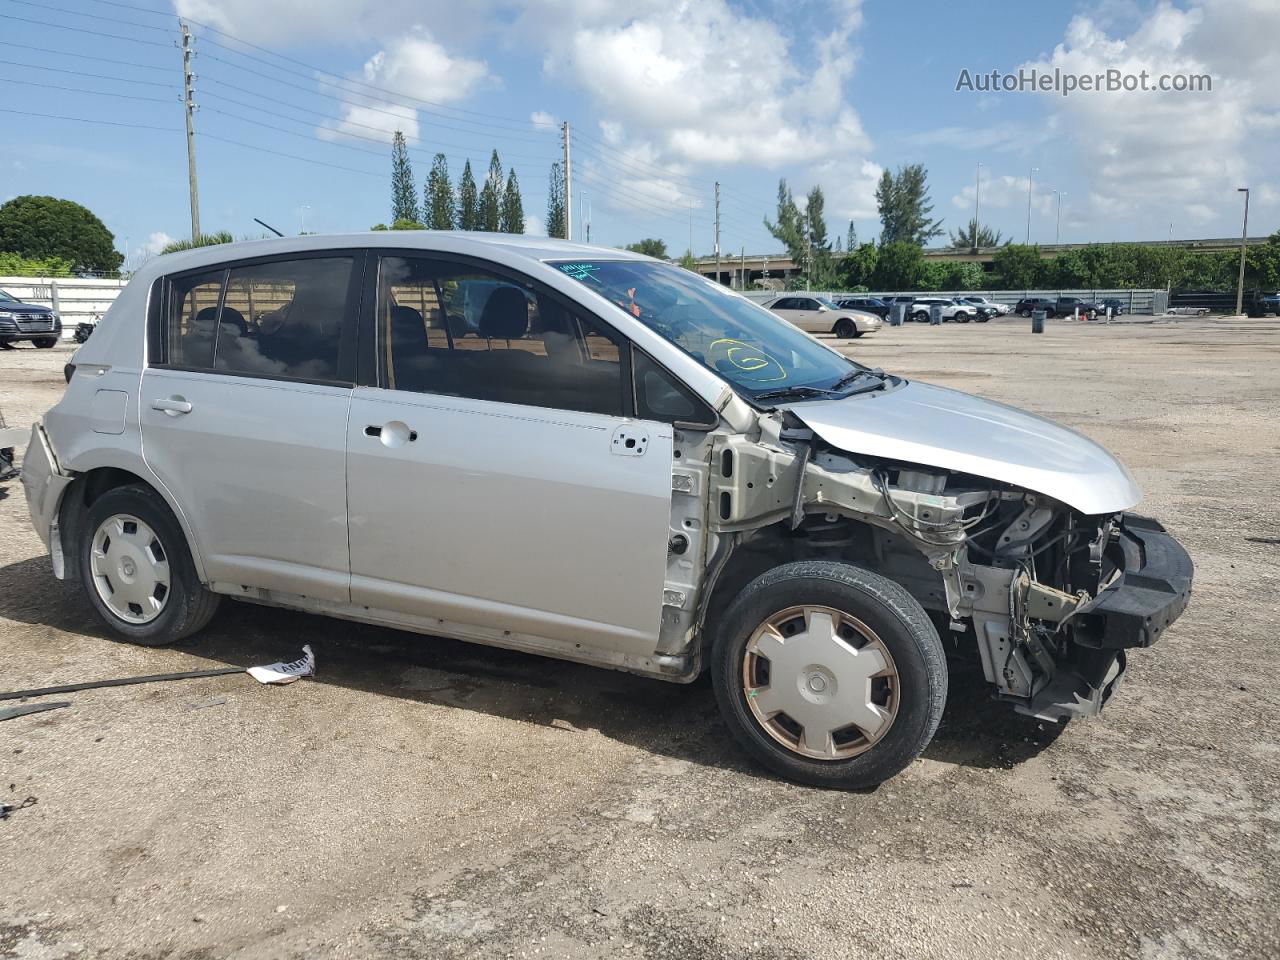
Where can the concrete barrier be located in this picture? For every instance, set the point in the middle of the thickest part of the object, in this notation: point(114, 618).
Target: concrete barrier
point(75, 299)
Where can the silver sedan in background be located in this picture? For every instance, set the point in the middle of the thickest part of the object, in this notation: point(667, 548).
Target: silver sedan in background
point(819, 315)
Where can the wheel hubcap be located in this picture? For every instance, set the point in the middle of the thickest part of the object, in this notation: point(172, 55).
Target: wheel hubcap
point(130, 569)
point(820, 682)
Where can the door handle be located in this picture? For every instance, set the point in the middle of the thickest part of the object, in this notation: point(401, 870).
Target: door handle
point(173, 407)
point(392, 434)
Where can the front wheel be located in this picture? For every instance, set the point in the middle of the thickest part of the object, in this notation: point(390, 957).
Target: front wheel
point(829, 674)
point(44, 343)
point(919, 316)
point(962, 318)
point(845, 329)
point(1024, 313)
point(137, 570)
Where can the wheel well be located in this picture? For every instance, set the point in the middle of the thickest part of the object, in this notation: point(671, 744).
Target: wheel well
point(80, 495)
point(820, 537)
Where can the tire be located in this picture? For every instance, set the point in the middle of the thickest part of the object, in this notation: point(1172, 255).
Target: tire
point(891, 622)
point(961, 317)
point(44, 343)
point(983, 319)
point(845, 329)
point(185, 606)
point(920, 316)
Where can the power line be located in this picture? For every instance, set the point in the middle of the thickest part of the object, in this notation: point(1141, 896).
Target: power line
point(92, 33)
point(109, 123)
point(91, 16)
point(357, 103)
point(81, 56)
point(94, 93)
point(291, 156)
point(81, 73)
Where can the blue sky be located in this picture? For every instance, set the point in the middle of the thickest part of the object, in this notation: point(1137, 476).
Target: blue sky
point(298, 97)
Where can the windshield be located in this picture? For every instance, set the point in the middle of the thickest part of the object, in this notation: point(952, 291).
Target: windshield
point(5, 298)
point(755, 350)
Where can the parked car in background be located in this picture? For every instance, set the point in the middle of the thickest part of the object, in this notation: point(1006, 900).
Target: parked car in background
point(632, 467)
point(820, 315)
point(1115, 304)
point(1026, 305)
point(951, 309)
point(865, 304)
point(1261, 304)
point(1067, 306)
point(989, 307)
point(27, 321)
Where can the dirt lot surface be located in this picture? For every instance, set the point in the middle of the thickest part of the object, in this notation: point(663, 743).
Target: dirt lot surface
point(426, 798)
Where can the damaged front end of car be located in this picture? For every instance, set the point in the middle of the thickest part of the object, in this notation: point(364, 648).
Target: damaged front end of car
point(1046, 596)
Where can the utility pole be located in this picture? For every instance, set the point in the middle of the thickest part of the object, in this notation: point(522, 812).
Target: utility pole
point(588, 220)
point(742, 274)
point(187, 78)
point(1244, 240)
point(1031, 177)
point(568, 184)
point(717, 231)
point(808, 249)
point(977, 193)
point(1057, 230)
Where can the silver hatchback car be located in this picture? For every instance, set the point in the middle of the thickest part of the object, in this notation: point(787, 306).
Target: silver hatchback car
point(590, 454)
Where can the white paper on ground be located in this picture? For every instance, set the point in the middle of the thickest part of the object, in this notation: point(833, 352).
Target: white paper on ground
point(286, 672)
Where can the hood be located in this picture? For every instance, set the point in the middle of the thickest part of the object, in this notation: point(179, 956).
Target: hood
point(938, 427)
point(19, 307)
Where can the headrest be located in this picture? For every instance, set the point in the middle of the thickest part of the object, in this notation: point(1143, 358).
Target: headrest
point(235, 318)
point(505, 316)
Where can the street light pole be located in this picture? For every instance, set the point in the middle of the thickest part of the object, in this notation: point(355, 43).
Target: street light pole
point(977, 193)
point(1244, 240)
point(1057, 230)
point(1030, 180)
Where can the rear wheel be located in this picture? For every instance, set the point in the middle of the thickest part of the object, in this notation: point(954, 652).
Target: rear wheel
point(137, 570)
point(44, 343)
point(1024, 313)
point(829, 674)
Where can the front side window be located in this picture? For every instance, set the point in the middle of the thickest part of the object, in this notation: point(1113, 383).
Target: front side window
point(754, 350)
point(463, 331)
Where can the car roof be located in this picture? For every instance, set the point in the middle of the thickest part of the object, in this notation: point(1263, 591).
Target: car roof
point(503, 247)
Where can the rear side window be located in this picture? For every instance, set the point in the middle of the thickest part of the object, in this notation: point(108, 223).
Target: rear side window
point(284, 318)
point(193, 319)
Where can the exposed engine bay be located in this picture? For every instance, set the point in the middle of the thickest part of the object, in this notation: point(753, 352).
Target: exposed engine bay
point(1046, 598)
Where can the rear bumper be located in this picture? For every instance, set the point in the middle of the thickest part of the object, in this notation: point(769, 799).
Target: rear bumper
point(44, 483)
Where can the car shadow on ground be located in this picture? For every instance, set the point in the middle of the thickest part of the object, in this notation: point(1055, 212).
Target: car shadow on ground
point(675, 720)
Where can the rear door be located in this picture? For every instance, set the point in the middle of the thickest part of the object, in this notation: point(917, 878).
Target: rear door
point(244, 409)
point(496, 479)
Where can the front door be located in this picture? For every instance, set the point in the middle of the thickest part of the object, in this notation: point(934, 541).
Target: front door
point(493, 478)
point(244, 418)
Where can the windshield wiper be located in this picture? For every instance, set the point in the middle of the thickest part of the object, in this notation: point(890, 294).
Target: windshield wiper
point(881, 380)
point(796, 391)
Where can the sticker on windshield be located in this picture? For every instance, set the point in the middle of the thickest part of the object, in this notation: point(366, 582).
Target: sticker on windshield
point(748, 359)
point(581, 272)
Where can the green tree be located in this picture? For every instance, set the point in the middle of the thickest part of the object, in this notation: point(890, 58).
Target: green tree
point(204, 240)
point(650, 247)
point(858, 266)
point(789, 229)
point(39, 227)
point(822, 270)
point(957, 275)
point(12, 265)
point(899, 266)
point(511, 218)
point(851, 238)
point(438, 203)
point(468, 201)
point(904, 204)
point(1018, 267)
point(972, 236)
point(404, 195)
point(689, 262)
point(491, 196)
point(555, 203)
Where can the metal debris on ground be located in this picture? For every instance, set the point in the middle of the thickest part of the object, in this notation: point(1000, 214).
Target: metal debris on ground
point(8, 808)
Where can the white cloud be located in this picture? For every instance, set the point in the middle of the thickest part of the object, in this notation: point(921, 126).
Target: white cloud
point(156, 242)
point(533, 226)
point(540, 118)
point(702, 83)
point(416, 66)
point(1171, 155)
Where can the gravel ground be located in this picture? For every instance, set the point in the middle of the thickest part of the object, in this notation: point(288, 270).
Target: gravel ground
point(427, 798)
